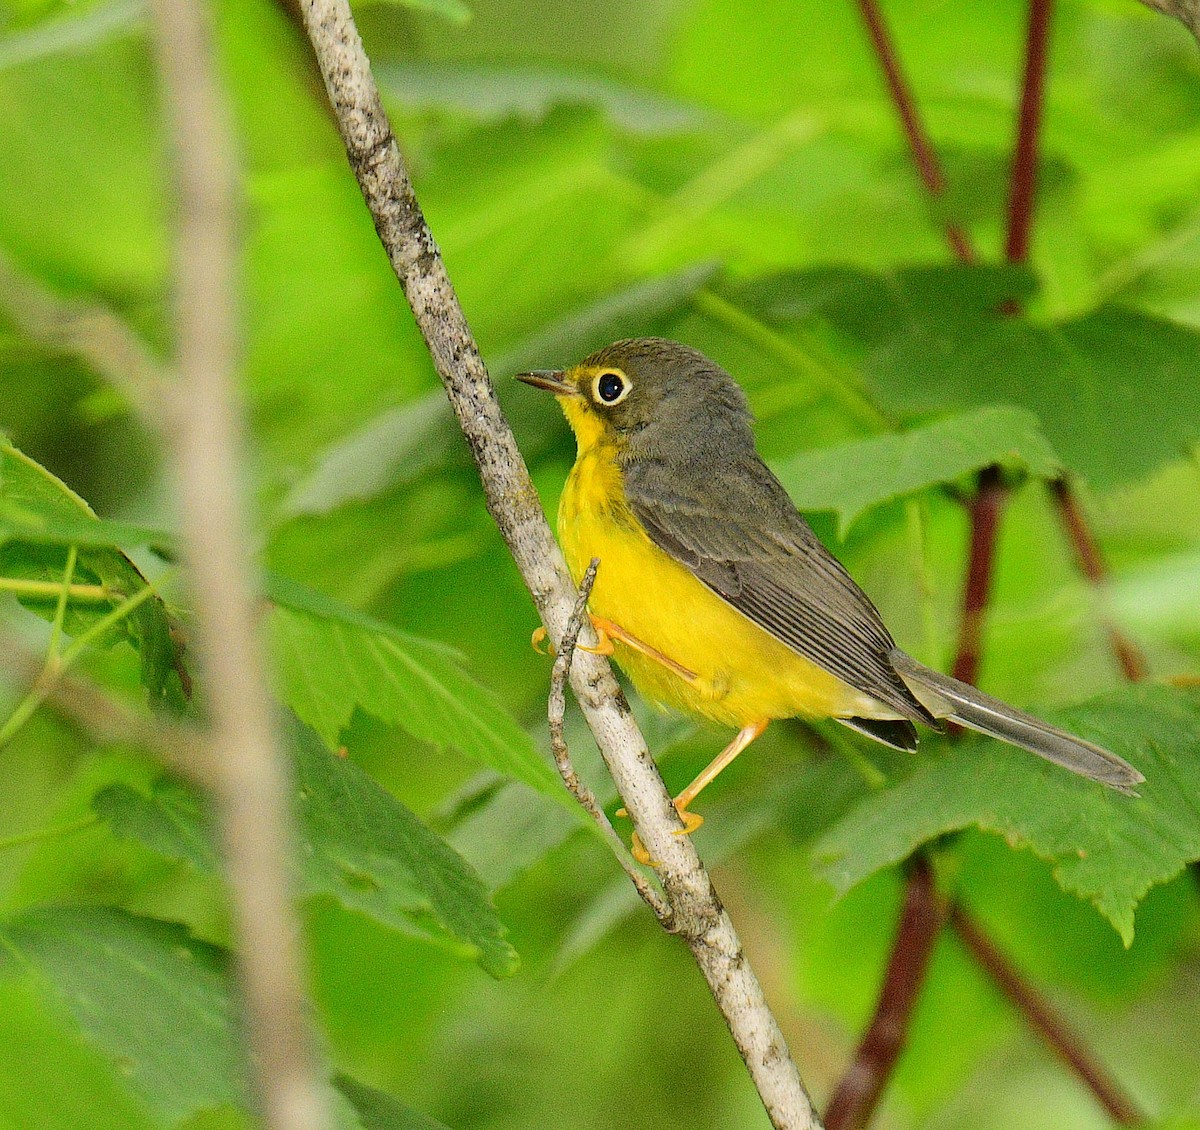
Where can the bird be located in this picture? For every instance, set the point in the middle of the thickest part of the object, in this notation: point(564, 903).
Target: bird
point(714, 594)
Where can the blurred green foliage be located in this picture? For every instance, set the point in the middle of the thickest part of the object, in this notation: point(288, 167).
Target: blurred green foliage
point(727, 174)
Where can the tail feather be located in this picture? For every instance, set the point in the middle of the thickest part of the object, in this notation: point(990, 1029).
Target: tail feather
point(962, 703)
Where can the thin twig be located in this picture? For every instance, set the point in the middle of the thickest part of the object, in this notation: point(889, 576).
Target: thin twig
point(1091, 564)
point(252, 787)
point(862, 1085)
point(556, 712)
point(929, 168)
point(1020, 222)
point(985, 511)
point(1039, 1015)
point(697, 914)
point(1023, 184)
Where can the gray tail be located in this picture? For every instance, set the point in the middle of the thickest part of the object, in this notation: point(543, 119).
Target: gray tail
point(977, 711)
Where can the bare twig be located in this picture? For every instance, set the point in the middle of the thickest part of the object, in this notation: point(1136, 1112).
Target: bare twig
point(1091, 564)
point(250, 773)
point(1023, 185)
point(985, 511)
point(1038, 1014)
point(929, 168)
point(556, 713)
point(1020, 221)
point(862, 1085)
point(697, 913)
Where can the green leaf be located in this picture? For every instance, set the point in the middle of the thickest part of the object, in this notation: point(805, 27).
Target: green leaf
point(379, 1111)
point(171, 821)
point(489, 91)
point(91, 1092)
point(20, 524)
point(152, 998)
point(358, 844)
point(158, 1004)
point(331, 660)
point(1115, 391)
point(852, 477)
point(38, 515)
point(1105, 848)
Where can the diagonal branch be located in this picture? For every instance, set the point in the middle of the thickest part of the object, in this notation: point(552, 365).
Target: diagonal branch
point(1038, 1014)
point(985, 510)
point(925, 157)
point(1023, 184)
point(1091, 564)
point(251, 786)
point(861, 1087)
point(697, 914)
point(1020, 222)
point(556, 712)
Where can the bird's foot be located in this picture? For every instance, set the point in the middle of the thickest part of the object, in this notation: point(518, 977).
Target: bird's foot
point(691, 821)
point(604, 641)
point(539, 641)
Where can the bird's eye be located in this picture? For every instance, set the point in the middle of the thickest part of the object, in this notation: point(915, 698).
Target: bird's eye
point(611, 388)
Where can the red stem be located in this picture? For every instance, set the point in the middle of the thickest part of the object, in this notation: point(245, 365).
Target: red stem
point(861, 1086)
point(1091, 565)
point(1038, 1014)
point(986, 507)
point(1025, 156)
point(924, 156)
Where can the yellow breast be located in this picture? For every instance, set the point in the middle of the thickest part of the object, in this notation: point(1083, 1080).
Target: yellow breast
point(743, 674)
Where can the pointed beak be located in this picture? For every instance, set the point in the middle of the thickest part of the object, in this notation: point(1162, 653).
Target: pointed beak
point(551, 380)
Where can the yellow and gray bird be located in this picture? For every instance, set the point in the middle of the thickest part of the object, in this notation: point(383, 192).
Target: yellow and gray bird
point(713, 593)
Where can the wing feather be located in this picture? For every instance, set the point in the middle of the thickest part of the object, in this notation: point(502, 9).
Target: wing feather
point(736, 529)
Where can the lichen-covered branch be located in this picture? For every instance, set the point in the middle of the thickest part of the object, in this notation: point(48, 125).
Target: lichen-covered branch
point(556, 709)
point(696, 912)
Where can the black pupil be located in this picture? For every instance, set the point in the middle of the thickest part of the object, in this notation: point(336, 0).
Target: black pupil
point(610, 387)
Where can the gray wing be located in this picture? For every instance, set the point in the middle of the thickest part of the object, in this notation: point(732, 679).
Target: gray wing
point(736, 529)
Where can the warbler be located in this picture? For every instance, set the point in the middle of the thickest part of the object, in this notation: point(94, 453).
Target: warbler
point(713, 593)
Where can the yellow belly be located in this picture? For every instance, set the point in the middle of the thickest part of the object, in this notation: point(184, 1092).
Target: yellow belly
point(743, 674)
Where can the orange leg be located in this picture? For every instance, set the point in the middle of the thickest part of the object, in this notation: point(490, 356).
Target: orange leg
point(604, 644)
point(692, 820)
point(607, 632)
point(610, 631)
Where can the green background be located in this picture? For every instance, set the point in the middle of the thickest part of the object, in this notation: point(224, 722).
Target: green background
point(729, 174)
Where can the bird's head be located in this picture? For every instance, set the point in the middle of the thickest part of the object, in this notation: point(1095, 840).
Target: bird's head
point(650, 393)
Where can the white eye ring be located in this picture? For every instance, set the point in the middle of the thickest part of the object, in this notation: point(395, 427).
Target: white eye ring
point(610, 387)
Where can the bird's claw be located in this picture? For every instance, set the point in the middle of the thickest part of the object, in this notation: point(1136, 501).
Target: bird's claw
point(691, 821)
point(538, 642)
